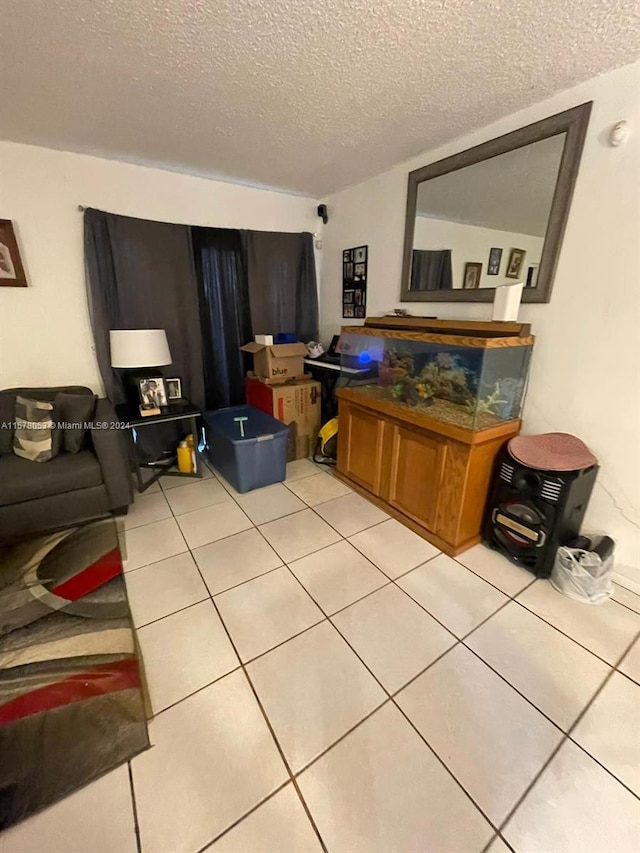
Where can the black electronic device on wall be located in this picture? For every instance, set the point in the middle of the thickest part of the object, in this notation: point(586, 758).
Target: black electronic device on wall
point(531, 512)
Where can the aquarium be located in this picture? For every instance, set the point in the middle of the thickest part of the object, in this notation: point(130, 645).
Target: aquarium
point(474, 383)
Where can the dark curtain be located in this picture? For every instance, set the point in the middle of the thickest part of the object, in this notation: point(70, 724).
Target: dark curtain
point(431, 270)
point(281, 275)
point(140, 275)
point(224, 313)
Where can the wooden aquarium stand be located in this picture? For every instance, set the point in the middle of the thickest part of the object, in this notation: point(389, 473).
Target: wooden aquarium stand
point(430, 475)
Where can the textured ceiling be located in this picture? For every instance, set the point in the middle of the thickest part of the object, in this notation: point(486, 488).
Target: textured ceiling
point(511, 192)
point(303, 96)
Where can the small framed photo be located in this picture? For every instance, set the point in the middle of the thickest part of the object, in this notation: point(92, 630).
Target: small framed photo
point(347, 311)
point(516, 260)
point(495, 259)
point(174, 388)
point(472, 274)
point(11, 269)
point(360, 254)
point(359, 312)
point(153, 392)
point(347, 297)
point(348, 271)
point(346, 255)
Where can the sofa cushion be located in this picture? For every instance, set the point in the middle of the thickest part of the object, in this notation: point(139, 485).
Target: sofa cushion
point(8, 407)
point(72, 412)
point(35, 438)
point(21, 480)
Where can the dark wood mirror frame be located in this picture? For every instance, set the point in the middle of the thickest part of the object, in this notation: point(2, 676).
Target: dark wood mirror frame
point(574, 123)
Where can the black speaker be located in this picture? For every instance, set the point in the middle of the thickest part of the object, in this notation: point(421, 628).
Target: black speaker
point(531, 512)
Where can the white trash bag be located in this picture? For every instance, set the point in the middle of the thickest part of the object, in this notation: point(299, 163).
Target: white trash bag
point(585, 575)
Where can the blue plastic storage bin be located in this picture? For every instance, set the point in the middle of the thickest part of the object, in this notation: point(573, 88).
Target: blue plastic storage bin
point(255, 460)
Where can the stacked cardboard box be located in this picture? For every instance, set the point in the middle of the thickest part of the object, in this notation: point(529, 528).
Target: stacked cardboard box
point(296, 404)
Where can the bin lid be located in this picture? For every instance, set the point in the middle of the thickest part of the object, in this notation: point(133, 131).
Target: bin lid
point(257, 423)
point(552, 451)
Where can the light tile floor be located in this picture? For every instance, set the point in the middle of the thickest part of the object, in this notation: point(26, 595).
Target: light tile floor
point(323, 679)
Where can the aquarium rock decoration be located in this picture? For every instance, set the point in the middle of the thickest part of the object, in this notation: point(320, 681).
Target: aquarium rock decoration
point(487, 404)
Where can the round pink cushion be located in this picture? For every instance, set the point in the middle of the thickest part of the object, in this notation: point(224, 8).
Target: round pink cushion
point(553, 451)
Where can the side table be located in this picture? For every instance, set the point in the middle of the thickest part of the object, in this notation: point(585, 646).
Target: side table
point(130, 415)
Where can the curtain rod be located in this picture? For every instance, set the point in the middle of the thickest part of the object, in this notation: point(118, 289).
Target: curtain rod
point(82, 208)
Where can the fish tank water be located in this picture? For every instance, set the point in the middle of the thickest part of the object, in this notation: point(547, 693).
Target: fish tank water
point(475, 387)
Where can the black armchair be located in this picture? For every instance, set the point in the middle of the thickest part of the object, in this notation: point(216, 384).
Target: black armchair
point(71, 488)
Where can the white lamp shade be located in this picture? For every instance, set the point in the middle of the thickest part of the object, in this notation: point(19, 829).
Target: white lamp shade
point(139, 348)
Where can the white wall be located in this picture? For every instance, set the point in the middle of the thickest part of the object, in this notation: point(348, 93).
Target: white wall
point(472, 243)
point(45, 337)
point(585, 376)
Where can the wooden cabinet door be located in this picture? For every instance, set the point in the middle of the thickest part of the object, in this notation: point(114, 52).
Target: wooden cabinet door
point(360, 447)
point(417, 464)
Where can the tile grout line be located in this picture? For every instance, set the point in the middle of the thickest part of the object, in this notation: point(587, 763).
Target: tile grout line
point(568, 636)
point(460, 641)
point(263, 712)
point(390, 698)
point(566, 737)
point(237, 822)
point(272, 732)
point(136, 825)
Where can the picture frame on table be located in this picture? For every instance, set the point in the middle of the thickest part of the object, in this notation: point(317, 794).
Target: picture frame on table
point(472, 275)
point(153, 392)
point(11, 270)
point(174, 388)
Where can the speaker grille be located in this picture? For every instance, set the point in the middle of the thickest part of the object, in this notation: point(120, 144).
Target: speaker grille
point(506, 472)
point(551, 491)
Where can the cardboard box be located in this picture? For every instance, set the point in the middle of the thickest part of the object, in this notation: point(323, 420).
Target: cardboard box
point(278, 362)
point(297, 405)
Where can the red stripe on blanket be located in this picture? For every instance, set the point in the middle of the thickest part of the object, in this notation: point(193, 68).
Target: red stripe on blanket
point(97, 681)
point(98, 573)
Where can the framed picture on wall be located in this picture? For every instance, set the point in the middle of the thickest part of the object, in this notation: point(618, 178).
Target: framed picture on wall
point(495, 259)
point(516, 260)
point(354, 281)
point(11, 269)
point(532, 275)
point(472, 274)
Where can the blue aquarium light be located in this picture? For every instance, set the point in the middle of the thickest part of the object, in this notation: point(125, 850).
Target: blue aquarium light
point(364, 358)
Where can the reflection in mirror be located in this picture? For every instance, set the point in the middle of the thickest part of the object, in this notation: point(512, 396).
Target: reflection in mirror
point(484, 225)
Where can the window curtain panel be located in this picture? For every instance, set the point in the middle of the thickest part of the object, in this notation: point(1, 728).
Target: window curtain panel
point(225, 317)
point(281, 276)
point(431, 270)
point(140, 275)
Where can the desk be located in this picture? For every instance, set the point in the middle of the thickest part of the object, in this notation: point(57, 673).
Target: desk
point(130, 415)
point(327, 375)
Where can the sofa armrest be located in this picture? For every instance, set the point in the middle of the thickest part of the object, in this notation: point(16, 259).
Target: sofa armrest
point(110, 446)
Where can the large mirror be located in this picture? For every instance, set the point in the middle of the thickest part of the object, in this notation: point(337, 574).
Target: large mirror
point(493, 215)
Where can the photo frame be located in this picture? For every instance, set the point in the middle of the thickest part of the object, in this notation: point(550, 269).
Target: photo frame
point(472, 275)
point(11, 270)
point(174, 388)
point(516, 260)
point(354, 281)
point(153, 391)
point(495, 259)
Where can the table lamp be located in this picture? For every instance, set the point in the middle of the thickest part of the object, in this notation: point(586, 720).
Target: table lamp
point(136, 352)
